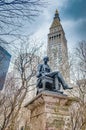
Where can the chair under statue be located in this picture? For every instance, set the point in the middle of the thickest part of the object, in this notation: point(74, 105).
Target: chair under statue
point(47, 83)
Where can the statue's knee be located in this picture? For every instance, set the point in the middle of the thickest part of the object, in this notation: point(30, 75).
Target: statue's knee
point(59, 74)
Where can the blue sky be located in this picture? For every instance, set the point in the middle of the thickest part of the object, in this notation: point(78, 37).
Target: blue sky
point(73, 19)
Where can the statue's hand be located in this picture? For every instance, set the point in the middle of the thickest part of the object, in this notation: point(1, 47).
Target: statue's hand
point(43, 74)
point(38, 75)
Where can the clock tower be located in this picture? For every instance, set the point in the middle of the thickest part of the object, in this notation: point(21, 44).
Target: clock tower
point(57, 47)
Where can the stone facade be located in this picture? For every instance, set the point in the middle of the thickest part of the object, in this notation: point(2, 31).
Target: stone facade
point(49, 111)
point(57, 47)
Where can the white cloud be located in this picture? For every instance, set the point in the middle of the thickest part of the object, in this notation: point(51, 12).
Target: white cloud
point(70, 28)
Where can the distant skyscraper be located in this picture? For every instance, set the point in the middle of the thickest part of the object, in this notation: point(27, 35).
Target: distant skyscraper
point(4, 65)
point(57, 46)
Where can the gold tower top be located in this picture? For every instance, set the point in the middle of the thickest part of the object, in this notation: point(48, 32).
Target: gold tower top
point(56, 21)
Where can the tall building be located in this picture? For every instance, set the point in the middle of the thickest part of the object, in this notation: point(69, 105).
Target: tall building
point(4, 65)
point(57, 47)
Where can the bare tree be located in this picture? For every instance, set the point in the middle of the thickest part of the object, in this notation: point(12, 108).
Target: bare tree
point(17, 87)
point(14, 14)
point(78, 113)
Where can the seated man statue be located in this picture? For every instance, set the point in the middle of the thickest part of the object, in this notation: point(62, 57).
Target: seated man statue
point(44, 70)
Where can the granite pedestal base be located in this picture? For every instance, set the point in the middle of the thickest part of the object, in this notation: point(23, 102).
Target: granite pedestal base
point(50, 111)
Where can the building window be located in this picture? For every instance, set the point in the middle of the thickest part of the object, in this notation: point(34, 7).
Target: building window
point(52, 38)
point(49, 38)
point(59, 35)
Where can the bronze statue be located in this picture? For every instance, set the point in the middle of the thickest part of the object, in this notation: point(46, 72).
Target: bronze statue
point(45, 75)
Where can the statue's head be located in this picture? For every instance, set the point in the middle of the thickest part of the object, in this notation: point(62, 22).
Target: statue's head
point(46, 59)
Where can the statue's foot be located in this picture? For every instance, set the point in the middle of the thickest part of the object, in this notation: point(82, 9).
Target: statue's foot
point(67, 87)
point(39, 90)
point(58, 91)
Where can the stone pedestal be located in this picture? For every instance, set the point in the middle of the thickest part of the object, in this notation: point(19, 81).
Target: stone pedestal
point(49, 111)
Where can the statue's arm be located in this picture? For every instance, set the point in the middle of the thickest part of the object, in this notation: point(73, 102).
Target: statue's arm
point(49, 68)
point(39, 71)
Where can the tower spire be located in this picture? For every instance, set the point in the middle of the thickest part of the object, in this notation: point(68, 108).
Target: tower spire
point(56, 20)
point(56, 12)
point(57, 15)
